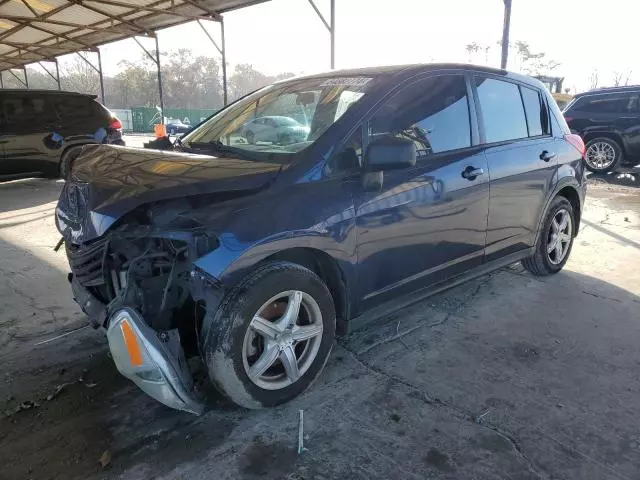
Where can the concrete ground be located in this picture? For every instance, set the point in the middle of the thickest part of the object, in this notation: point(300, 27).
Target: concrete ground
point(509, 376)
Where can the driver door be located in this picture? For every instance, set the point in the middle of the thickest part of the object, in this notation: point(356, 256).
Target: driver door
point(427, 222)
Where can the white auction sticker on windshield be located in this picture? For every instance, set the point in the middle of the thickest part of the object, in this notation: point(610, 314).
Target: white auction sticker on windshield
point(346, 81)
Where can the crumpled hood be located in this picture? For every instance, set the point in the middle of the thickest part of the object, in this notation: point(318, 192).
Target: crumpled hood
point(107, 182)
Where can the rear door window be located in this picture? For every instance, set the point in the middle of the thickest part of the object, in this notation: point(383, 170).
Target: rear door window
point(27, 111)
point(502, 110)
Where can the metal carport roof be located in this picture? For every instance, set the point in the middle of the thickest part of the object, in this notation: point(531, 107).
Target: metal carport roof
point(33, 31)
point(37, 30)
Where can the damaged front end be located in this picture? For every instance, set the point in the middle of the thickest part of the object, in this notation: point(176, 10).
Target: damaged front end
point(132, 237)
point(137, 287)
point(135, 282)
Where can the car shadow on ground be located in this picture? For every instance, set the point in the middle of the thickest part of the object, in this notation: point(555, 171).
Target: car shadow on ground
point(454, 386)
point(29, 193)
point(624, 177)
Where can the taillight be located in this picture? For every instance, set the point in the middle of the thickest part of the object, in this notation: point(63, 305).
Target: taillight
point(576, 141)
point(115, 124)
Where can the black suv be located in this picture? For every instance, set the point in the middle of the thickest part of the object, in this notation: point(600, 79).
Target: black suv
point(608, 119)
point(254, 252)
point(42, 131)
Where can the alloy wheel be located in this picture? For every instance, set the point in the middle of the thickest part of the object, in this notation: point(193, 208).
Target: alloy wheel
point(559, 236)
point(600, 155)
point(282, 340)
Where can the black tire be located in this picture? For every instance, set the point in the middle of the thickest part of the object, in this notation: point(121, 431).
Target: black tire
point(619, 154)
point(223, 340)
point(539, 263)
point(66, 161)
point(250, 137)
point(285, 139)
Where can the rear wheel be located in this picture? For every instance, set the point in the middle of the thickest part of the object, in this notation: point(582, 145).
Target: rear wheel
point(554, 241)
point(602, 155)
point(271, 336)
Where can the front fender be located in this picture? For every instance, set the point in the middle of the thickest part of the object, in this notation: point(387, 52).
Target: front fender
point(233, 259)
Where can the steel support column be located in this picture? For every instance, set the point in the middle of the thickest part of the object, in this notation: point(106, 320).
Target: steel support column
point(58, 74)
point(332, 32)
point(224, 63)
point(505, 33)
point(97, 69)
point(1, 81)
point(221, 51)
point(331, 27)
point(56, 77)
point(26, 78)
point(159, 81)
point(101, 77)
point(155, 59)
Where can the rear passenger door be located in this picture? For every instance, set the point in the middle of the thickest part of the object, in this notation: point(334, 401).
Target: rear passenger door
point(521, 155)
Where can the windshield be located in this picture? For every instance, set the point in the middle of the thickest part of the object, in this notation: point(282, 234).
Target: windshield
point(282, 118)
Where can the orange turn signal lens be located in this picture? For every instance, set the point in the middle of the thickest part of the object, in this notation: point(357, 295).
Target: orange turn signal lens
point(131, 342)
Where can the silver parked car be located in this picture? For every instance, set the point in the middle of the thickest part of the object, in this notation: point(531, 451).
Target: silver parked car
point(275, 129)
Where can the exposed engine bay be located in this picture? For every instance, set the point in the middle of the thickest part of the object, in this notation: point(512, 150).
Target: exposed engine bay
point(131, 271)
point(144, 263)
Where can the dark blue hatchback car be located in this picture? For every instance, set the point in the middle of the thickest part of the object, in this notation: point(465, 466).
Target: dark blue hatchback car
point(253, 253)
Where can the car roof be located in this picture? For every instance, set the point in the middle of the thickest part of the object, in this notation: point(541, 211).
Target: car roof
point(25, 91)
point(407, 71)
point(599, 91)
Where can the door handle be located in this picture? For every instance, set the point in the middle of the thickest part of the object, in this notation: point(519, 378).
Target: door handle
point(470, 173)
point(546, 156)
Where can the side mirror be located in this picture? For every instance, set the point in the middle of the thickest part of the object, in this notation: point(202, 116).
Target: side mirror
point(390, 153)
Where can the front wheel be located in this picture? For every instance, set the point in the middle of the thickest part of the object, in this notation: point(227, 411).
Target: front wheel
point(271, 336)
point(602, 155)
point(554, 240)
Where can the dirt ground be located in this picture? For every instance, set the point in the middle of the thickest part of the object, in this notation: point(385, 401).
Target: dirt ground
point(508, 376)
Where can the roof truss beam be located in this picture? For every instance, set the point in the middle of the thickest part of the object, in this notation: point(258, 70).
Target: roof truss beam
point(151, 9)
point(138, 28)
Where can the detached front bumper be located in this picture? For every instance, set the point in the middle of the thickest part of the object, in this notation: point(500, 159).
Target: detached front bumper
point(153, 360)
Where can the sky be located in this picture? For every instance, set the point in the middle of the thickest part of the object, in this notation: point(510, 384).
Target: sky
point(287, 36)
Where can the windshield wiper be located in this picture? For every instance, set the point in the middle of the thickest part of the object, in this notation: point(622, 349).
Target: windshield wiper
point(220, 149)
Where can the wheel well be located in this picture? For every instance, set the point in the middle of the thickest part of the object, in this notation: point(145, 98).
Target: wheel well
point(328, 270)
point(68, 149)
point(571, 194)
point(612, 136)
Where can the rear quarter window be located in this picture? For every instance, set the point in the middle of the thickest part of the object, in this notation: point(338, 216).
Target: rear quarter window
point(78, 107)
point(536, 112)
